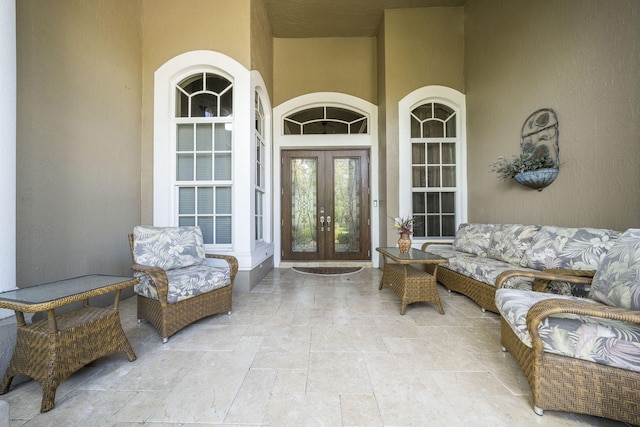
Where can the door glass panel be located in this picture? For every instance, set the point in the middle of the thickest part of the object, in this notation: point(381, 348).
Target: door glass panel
point(346, 205)
point(303, 205)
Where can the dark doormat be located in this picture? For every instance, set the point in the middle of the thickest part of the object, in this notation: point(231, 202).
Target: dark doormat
point(327, 271)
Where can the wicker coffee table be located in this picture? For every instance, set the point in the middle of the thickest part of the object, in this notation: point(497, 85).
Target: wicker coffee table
point(409, 283)
point(50, 350)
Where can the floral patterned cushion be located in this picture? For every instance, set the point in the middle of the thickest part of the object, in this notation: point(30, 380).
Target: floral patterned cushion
point(473, 238)
point(603, 341)
point(186, 282)
point(617, 281)
point(510, 241)
point(443, 251)
point(570, 248)
point(168, 247)
point(487, 270)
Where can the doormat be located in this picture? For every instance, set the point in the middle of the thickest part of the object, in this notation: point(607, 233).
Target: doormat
point(327, 271)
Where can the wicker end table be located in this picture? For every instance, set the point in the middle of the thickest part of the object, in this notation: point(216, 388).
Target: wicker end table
point(50, 350)
point(409, 283)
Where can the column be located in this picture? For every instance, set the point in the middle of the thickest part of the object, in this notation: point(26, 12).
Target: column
point(7, 146)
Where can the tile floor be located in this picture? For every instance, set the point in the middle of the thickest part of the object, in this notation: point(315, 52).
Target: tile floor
point(302, 350)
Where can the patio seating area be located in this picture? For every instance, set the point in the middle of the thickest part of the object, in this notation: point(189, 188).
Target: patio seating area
point(305, 350)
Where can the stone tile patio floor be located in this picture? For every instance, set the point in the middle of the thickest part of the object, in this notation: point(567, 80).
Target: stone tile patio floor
point(302, 350)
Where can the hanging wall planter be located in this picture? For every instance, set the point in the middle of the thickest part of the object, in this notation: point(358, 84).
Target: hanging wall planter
point(538, 164)
point(537, 179)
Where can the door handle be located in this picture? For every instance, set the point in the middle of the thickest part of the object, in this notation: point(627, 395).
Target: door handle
point(322, 223)
point(328, 222)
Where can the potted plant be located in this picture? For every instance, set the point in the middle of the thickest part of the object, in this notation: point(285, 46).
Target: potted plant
point(404, 225)
point(533, 168)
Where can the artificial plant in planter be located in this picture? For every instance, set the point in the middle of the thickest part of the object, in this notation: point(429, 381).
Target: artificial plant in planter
point(404, 225)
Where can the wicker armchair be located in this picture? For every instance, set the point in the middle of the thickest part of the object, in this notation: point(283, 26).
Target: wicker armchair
point(179, 283)
point(580, 354)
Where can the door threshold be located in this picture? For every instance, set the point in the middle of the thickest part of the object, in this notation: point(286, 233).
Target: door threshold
point(289, 264)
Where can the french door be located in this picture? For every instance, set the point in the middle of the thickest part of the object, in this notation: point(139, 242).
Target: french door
point(325, 205)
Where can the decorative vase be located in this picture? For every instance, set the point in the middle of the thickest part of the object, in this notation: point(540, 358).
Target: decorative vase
point(537, 179)
point(404, 243)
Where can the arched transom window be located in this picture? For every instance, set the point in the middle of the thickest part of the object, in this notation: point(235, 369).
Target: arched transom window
point(204, 95)
point(325, 120)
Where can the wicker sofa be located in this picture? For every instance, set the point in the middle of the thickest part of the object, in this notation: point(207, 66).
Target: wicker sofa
point(481, 252)
point(580, 354)
point(179, 283)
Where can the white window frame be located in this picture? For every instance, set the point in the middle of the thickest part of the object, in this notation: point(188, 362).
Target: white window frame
point(245, 83)
point(260, 163)
point(456, 100)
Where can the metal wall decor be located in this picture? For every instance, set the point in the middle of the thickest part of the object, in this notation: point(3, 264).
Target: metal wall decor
point(539, 143)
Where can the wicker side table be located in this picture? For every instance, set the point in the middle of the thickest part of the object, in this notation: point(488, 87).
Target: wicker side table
point(50, 350)
point(410, 284)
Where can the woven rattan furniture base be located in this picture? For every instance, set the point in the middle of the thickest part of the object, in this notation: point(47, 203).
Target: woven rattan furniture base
point(568, 384)
point(482, 294)
point(411, 285)
point(50, 350)
point(170, 318)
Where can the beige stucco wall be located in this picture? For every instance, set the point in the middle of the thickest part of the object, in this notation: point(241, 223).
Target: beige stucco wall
point(78, 133)
point(345, 65)
point(581, 58)
point(422, 47)
point(170, 28)
point(262, 44)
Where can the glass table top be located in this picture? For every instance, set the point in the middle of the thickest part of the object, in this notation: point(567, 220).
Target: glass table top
point(49, 292)
point(413, 256)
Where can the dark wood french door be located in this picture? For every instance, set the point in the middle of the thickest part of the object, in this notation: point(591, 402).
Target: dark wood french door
point(325, 205)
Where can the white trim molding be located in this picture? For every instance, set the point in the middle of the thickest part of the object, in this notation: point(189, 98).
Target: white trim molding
point(368, 140)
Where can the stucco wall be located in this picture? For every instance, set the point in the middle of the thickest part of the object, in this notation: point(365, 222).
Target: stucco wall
point(170, 28)
point(345, 65)
point(581, 58)
point(78, 133)
point(261, 44)
point(422, 47)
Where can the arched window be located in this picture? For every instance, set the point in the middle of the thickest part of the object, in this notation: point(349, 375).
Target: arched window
point(211, 155)
point(433, 170)
point(432, 150)
point(203, 150)
point(325, 120)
